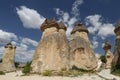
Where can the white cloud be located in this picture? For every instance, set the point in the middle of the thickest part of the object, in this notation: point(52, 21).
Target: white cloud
point(25, 46)
point(66, 17)
point(98, 26)
point(72, 21)
point(30, 17)
point(106, 30)
point(24, 56)
point(25, 49)
point(75, 10)
point(97, 55)
point(94, 21)
point(29, 41)
point(95, 43)
point(6, 37)
point(103, 44)
point(1, 49)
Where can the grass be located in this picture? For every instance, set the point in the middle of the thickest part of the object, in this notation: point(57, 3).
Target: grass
point(115, 70)
point(27, 68)
point(69, 73)
point(2, 73)
point(47, 73)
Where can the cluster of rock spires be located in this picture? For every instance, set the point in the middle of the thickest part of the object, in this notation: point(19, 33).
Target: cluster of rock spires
point(7, 63)
point(54, 52)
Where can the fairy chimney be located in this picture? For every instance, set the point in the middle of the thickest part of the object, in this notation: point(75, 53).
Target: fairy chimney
point(116, 59)
point(81, 53)
point(108, 54)
point(8, 63)
point(52, 50)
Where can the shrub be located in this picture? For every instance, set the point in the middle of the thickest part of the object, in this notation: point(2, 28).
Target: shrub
point(75, 73)
point(115, 69)
point(2, 73)
point(47, 73)
point(27, 68)
point(103, 58)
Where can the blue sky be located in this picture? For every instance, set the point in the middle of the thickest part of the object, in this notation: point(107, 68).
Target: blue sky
point(20, 22)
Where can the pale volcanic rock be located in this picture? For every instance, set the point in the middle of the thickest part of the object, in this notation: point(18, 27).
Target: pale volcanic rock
point(108, 54)
point(8, 63)
point(52, 51)
point(81, 53)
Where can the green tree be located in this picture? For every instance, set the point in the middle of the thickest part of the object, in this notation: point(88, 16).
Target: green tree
point(27, 68)
point(103, 58)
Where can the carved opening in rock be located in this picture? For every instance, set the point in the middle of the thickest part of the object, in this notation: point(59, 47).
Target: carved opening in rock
point(108, 56)
point(80, 50)
point(75, 68)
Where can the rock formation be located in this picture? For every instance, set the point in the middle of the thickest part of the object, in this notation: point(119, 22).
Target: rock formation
point(108, 54)
point(52, 51)
point(116, 59)
point(8, 64)
point(81, 53)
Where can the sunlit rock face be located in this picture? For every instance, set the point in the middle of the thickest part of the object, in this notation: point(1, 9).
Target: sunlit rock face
point(108, 55)
point(116, 59)
point(8, 63)
point(81, 53)
point(52, 52)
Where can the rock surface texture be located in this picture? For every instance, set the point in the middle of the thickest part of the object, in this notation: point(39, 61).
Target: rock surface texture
point(116, 59)
point(8, 63)
point(52, 52)
point(81, 53)
point(108, 54)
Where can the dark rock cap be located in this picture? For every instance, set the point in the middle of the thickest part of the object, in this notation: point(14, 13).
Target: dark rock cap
point(107, 45)
point(9, 45)
point(62, 26)
point(49, 23)
point(79, 27)
point(117, 28)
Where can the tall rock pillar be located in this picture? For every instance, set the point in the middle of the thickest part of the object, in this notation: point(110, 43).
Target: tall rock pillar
point(81, 53)
point(108, 54)
point(116, 59)
point(8, 63)
point(52, 50)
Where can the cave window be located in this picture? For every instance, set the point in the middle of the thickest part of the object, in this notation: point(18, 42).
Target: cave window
point(81, 50)
point(108, 56)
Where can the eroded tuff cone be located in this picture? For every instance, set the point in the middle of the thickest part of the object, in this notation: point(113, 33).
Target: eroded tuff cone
point(81, 31)
point(8, 63)
point(81, 53)
point(116, 59)
point(108, 54)
point(52, 51)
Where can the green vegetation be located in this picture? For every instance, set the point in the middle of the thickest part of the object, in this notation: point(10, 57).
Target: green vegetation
point(115, 69)
point(71, 72)
point(103, 58)
point(27, 68)
point(47, 73)
point(2, 73)
point(61, 73)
